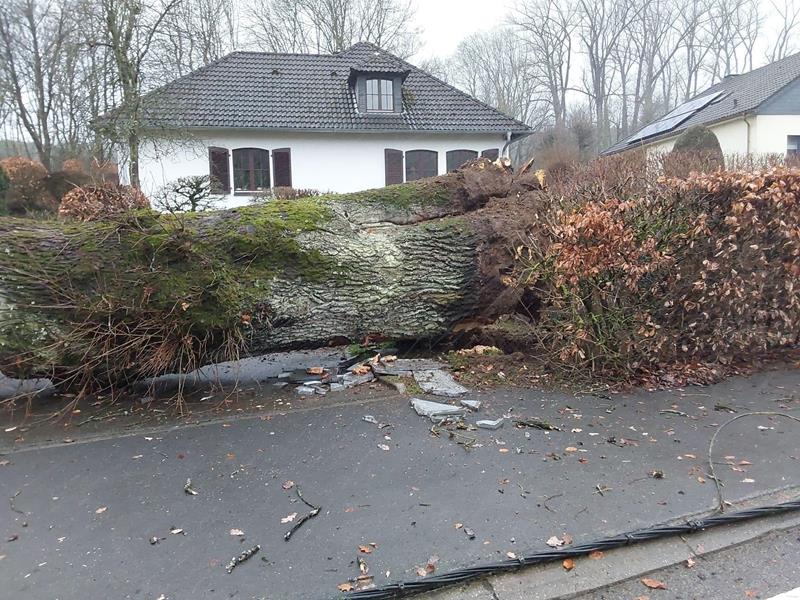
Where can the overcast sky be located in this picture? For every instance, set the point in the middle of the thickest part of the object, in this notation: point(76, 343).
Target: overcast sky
point(444, 23)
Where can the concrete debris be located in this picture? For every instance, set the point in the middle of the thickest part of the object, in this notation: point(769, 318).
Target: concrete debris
point(336, 387)
point(370, 419)
point(351, 379)
point(439, 383)
point(405, 367)
point(486, 424)
point(304, 390)
point(471, 404)
point(426, 408)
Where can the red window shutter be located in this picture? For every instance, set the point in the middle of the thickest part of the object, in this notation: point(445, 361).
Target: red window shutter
point(282, 167)
point(456, 158)
point(491, 154)
point(219, 170)
point(394, 166)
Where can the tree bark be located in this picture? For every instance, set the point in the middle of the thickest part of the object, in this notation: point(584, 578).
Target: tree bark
point(149, 293)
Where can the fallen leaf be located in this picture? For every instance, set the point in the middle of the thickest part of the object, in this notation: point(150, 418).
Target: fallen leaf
point(690, 562)
point(596, 555)
point(432, 562)
point(503, 450)
point(511, 555)
point(365, 549)
point(384, 447)
point(555, 542)
point(237, 532)
point(345, 587)
point(289, 518)
point(458, 525)
point(422, 572)
point(748, 480)
point(230, 456)
point(570, 449)
point(568, 564)
point(690, 456)
point(751, 593)
point(101, 510)
point(567, 539)
point(4, 462)
point(654, 584)
point(287, 485)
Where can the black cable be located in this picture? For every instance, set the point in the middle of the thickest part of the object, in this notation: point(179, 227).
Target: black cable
point(427, 584)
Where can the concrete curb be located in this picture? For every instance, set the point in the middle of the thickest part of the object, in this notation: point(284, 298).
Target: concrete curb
point(553, 582)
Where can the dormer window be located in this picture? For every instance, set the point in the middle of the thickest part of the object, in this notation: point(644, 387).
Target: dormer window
point(380, 95)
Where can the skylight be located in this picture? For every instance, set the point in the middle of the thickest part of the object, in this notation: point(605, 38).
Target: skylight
point(675, 117)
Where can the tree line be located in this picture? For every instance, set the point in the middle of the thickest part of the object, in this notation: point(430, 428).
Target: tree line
point(596, 69)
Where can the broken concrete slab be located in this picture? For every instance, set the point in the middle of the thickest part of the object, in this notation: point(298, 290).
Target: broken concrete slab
point(471, 404)
point(405, 367)
point(352, 380)
point(488, 424)
point(427, 408)
point(305, 390)
point(439, 383)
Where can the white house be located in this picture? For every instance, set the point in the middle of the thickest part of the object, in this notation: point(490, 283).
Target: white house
point(358, 119)
point(756, 113)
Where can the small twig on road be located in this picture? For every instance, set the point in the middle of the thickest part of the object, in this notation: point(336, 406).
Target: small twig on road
point(601, 489)
point(241, 558)
point(13, 506)
point(546, 500)
point(188, 489)
point(314, 512)
point(712, 473)
point(669, 411)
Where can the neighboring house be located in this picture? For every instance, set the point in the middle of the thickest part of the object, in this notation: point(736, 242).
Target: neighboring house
point(358, 119)
point(753, 113)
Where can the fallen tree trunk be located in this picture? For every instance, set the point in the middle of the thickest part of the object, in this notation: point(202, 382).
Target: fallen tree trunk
point(150, 293)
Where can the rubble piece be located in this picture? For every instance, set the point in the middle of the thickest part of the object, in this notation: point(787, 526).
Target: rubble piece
point(487, 424)
point(392, 382)
point(304, 390)
point(336, 387)
point(281, 384)
point(426, 408)
point(300, 376)
point(439, 383)
point(370, 419)
point(351, 379)
point(360, 369)
point(471, 404)
point(470, 534)
point(405, 367)
point(316, 370)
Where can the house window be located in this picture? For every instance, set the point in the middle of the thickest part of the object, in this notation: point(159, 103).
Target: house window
point(421, 163)
point(219, 170)
point(380, 95)
point(282, 167)
point(491, 153)
point(456, 158)
point(250, 170)
point(793, 146)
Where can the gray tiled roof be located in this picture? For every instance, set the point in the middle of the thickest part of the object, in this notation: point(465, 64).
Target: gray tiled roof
point(742, 94)
point(312, 92)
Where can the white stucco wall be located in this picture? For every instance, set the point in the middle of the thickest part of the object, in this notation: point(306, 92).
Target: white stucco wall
point(322, 161)
point(772, 130)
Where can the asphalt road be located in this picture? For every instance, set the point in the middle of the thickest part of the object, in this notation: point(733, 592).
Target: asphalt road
point(91, 507)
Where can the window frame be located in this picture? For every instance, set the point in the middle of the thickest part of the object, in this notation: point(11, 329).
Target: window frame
point(250, 169)
point(412, 167)
point(793, 140)
point(379, 100)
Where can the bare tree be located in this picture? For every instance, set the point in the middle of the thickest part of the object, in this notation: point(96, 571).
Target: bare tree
point(129, 30)
point(33, 40)
point(495, 67)
point(547, 28)
point(788, 13)
point(331, 25)
point(602, 23)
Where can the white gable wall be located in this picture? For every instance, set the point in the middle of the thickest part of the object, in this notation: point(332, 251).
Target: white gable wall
point(772, 131)
point(732, 136)
point(334, 162)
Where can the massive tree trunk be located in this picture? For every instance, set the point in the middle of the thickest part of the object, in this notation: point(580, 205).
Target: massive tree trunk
point(148, 293)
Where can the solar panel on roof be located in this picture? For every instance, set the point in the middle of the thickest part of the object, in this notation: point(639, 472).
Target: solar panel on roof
point(675, 117)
